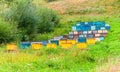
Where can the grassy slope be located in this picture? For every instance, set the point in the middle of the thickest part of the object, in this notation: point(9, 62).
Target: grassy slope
point(73, 60)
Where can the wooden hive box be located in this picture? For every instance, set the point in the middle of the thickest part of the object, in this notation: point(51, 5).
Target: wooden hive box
point(62, 41)
point(66, 45)
point(11, 47)
point(81, 45)
point(36, 46)
point(90, 40)
point(51, 45)
point(73, 42)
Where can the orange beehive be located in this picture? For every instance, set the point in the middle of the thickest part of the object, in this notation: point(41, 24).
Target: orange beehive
point(91, 41)
point(11, 47)
point(82, 45)
point(51, 45)
point(36, 46)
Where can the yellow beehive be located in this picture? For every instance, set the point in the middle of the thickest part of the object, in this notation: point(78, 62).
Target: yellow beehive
point(62, 42)
point(11, 47)
point(90, 41)
point(36, 46)
point(66, 45)
point(73, 42)
point(51, 45)
point(82, 45)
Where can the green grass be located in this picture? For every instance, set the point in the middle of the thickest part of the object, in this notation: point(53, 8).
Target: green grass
point(71, 60)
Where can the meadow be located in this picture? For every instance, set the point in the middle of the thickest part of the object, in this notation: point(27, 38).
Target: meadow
point(95, 59)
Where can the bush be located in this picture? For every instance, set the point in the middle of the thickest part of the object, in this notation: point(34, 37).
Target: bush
point(50, 0)
point(30, 19)
point(7, 32)
point(48, 19)
point(24, 13)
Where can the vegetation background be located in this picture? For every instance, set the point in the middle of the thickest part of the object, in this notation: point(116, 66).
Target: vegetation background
point(36, 20)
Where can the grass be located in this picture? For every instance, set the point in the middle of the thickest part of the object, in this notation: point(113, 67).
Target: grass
point(71, 60)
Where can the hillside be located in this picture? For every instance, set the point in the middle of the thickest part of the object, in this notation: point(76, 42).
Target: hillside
point(85, 6)
point(104, 56)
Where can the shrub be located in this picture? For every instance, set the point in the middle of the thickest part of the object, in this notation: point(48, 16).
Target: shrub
point(7, 32)
point(50, 0)
point(48, 19)
point(24, 13)
point(30, 19)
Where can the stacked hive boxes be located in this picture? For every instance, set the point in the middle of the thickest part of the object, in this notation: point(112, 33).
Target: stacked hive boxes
point(82, 34)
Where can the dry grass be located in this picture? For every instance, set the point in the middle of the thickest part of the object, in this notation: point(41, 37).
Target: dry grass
point(83, 6)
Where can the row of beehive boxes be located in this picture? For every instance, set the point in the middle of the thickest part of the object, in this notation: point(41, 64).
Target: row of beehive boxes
point(65, 44)
point(86, 34)
point(90, 27)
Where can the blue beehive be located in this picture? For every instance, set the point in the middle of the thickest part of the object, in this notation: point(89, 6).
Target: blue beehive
point(95, 32)
point(82, 23)
point(102, 28)
point(80, 36)
point(107, 26)
point(103, 24)
point(90, 23)
point(78, 24)
point(87, 27)
point(90, 36)
point(101, 38)
point(74, 28)
point(97, 28)
point(44, 43)
point(85, 32)
point(83, 28)
point(82, 39)
point(25, 45)
point(93, 27)
point(78, 28)
point(70, 36)
point(55, 42)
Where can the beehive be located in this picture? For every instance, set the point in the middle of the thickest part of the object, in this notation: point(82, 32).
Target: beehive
point(100, 31)
point(85, 32)
point(90, 36)
point(70, 37)
point(71, 41)
point(11, 47)
point(62, 41)
point(51, 45)
point(80, 32)
point(82, 45)
point(75, 32)
point(36, 46)
point(90, 40)
point(97, 39)
point(95, 32)
point(97, 35)
point(82, 39)
point(66, 45)
point(89, 32)
point(73, 28)
point(25, 45)
point(93, 28)
point(55, 42)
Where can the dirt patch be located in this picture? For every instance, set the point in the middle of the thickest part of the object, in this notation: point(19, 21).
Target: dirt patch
point(63, 6)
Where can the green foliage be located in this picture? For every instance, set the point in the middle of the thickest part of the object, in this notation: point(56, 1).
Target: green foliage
point(48, 20)
point(7, 32)
point(23, 12)
point(50, 0)
point(31, 20)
